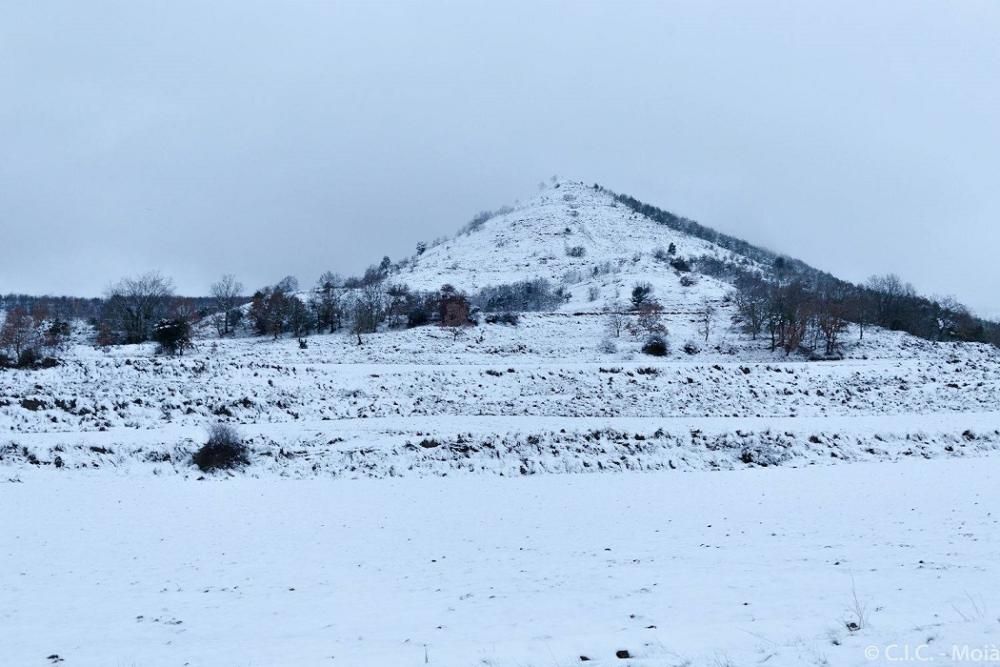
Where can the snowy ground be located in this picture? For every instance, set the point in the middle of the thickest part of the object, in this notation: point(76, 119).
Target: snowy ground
point(417, 500)
point(739, 567)
point(503, 400)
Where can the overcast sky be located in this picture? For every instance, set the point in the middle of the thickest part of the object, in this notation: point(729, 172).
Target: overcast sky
point(268, 138)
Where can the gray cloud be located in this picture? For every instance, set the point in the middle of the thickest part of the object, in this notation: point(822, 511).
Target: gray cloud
point(268, 138)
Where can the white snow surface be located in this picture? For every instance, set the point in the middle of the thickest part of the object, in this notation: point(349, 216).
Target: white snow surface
point(507, 495)
point(740, 567)
point(532, 241)
point(502, 400)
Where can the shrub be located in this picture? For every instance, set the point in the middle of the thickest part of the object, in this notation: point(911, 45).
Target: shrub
point(29, 358)
point(680, 264)
point(691, 348)
point(656, 346)
point(224, 450)
point(418, 317)
point(641, 293)
point(688, 280)
point(607, 346)
point(576, 251)
point(503, 318)
point(173, 336)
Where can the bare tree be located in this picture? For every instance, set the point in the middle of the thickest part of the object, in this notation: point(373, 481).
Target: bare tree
point(269, 311)
point(227, 294)
point(19, 332)
point(648, 321)
point(706, 318)
point(135, 304)
point(327, 302)
point(369, 309)
point(891, 298)
point(614, 318)
point(752, 302)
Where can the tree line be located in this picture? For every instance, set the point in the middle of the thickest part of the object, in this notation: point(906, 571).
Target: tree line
point(806, 307)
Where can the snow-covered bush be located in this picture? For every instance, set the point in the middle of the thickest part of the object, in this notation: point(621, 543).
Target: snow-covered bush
point(607, 346)
point(576, 251)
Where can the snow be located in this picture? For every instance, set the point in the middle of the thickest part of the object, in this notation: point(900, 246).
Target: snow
point(534, 398)
point(748, 566)
point(507, 495)
point(532, 240)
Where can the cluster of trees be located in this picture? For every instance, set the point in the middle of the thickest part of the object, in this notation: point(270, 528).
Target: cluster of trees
point(65, 308)
point(794, 317)
point(687, 226)
point(28, 338)
point(144, 308)
point(481, 218)
point(334, 304)
point(641, 318)
point(813, 316)
point(526, 295)
point(885, 300)
point(134, 305)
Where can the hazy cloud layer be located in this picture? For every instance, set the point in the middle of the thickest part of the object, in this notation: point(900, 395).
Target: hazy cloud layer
point(266, 138)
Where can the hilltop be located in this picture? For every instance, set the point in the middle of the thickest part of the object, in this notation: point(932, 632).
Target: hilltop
point(573, 235)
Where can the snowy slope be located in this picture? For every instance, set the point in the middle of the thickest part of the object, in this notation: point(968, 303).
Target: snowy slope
point(533, 241)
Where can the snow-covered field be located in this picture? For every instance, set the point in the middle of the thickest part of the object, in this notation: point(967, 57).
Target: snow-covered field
point(418, 500)
point(739, 567)
point(420, 402)
point(410, 502)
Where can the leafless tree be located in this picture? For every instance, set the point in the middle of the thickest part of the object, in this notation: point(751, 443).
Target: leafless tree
point(891, 298)
point(752, 303)
point(227, 294)
point(706, 318)
point(19, 332)
point(327, 302)
point(648, 321)
point(615, 318)
point(369, 309)
point(135, 304)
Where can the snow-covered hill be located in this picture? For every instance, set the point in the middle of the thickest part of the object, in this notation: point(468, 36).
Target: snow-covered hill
point(507, 494)
point(573, 235)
